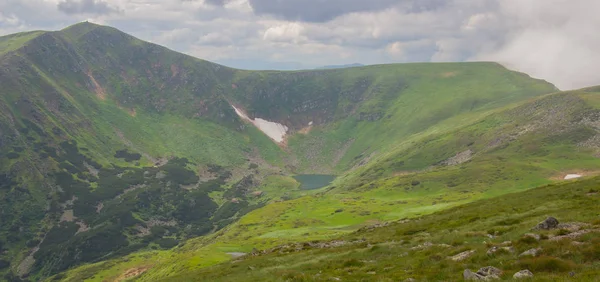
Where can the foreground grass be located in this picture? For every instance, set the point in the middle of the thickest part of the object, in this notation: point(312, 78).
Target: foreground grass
point(421, 248)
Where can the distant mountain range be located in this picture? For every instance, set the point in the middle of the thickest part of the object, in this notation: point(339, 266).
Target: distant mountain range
point(341, 66)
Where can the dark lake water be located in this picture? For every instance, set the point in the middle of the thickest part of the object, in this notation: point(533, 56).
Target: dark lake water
point(313, 181)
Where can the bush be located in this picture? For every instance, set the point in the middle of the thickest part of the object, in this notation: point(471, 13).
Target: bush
point(128, 157)
point(352, 263)
point(592, 252)
point(547, 264)
point(12, 155)
point(4, 264)
point(528, 240)
point(167, 243)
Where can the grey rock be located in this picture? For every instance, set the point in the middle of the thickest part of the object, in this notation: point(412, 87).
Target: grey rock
point(486, 275)
point(410, 280)
point(531, 252)
point(523, 274)
point(495, 249)
point(462, 256)
point(469, 275)
point(547, 224)
point(489, 271)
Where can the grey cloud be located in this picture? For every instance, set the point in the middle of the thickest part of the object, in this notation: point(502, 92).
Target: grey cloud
point(86, 7)
point(326, 10)
point(215, 2)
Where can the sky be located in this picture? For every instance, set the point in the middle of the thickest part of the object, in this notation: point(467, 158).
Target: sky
point(555, 40)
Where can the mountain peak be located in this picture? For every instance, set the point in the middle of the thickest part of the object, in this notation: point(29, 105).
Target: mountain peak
point(77, 30)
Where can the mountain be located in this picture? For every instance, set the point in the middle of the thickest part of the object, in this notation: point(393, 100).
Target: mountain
point(120, 155)
point(342, 66)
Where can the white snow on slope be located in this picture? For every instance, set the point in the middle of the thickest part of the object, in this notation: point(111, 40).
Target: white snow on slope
point(275, 131)
point(572, 176)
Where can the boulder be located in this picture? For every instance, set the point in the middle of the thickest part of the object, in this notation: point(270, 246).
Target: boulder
point(489, 271)
point(485, 275)
point(462, 256)
point(547, 224)
point(523, 274)
point(531, 252)
point(469, 275)
point(495, 249)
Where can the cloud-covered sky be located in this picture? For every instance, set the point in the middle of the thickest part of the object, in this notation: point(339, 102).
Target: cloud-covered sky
point(556, 40)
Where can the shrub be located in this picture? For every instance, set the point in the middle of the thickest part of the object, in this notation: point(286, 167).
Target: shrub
point(4, 264)
point(592, 252)
point(12, 155)
point(508, 221)
point(128, 157)
point(167, 243)
point(528, 240)
point(352, 263)
point(547, 264)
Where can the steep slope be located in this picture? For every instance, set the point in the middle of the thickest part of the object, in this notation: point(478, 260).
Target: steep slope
point(516, 148)
point(345, 116)
point(112, 145)
point(88, 171)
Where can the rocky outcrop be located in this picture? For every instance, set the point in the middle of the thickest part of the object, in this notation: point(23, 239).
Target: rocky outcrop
point(460, 158)
point(547, 224)
point(483, 274)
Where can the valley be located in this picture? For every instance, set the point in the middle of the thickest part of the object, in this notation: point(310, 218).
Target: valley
point(122, 160)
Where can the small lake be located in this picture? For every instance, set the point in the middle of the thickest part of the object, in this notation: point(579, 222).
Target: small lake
point(313, 181)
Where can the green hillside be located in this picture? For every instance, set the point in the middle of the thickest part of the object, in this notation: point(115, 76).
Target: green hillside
point(490, 232)
point(120, 155)
point(510, 150)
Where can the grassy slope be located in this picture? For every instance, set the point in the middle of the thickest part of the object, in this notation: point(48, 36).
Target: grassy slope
point(389, 253)
point(15, 41)
point(515, 149)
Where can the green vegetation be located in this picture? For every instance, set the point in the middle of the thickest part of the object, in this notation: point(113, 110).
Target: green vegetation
point(421, 248)
point(120, 157)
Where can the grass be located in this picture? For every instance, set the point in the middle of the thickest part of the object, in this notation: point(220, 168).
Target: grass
point(390, 253)
point(13, 42)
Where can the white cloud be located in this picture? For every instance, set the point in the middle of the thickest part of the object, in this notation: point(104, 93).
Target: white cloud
point(556, 41)
point(287, 32)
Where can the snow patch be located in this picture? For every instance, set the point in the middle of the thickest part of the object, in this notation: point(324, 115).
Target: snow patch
point(275, 131)
point(572, 176)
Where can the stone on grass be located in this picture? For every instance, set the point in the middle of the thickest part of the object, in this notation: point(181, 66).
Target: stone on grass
point(462, 256)
point(523, 274)
point(489, 271)
point(547, 224)
point(485, 275)
point(531, 252)
point(496, 249)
